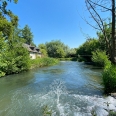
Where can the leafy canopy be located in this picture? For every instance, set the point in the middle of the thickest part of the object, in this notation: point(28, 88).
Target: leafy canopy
point(56, 49)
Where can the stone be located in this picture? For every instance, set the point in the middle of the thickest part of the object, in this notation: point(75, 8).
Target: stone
point(113, 95)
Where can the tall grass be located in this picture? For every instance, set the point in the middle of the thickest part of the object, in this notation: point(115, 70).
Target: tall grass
point(41, 62)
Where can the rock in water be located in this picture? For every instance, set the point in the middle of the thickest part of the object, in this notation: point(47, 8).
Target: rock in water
point(113, 95)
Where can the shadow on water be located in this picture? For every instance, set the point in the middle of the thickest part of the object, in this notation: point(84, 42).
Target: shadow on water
point(68, 89)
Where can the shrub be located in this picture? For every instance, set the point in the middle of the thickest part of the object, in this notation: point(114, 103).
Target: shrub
point(109, 74)
point(100, 59)
point(40, 62)
point(14, 61)
point(2, 74)
point(109, 79)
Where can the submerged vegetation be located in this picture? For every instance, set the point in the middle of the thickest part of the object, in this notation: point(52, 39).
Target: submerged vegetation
point(46, 111)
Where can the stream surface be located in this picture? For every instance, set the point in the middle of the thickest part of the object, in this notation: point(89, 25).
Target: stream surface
point(67, 89)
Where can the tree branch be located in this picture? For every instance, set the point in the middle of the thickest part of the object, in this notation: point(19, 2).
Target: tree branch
point(100, 5)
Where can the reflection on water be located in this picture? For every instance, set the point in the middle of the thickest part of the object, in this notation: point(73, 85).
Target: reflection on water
point(69, 89)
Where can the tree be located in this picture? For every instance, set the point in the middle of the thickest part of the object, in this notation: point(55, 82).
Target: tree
point(3, 48)
point(27, 35)
point(4, 12)
point(71, 52)
point(13, 57)
point(95, 8)
point(56, 49)
point(43, 49)
point(86, 49)
point(3, 5)
point(6, 28)
point(8, 21)
point(101, 38)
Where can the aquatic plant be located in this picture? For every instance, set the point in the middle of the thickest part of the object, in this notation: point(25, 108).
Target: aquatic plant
point(93, 112)
point(46, 111)
point(112, 113)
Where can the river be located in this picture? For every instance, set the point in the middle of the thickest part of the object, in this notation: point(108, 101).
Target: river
point(67, 89)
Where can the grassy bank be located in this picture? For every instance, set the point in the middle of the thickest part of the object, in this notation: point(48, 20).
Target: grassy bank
point(41, 62)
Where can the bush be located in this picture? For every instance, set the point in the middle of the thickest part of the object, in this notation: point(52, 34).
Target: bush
point(2, 74)
point(109, 74)
point(109, 79)
point(14, 61)
point(100, 59)
point(41, 62)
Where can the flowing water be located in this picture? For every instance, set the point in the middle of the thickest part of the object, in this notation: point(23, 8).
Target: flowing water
point(67, 89)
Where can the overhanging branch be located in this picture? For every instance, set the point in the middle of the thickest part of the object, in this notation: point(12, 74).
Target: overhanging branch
point(100, 5)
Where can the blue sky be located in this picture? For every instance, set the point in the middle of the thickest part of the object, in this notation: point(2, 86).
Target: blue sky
point(54, 20)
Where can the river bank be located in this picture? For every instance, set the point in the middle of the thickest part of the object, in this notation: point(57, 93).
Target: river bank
point(32, 63)
point(42, 62)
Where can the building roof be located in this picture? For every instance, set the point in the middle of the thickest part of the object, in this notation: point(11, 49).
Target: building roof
point(31, 48)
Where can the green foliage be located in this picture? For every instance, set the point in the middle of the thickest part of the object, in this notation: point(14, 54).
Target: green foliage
point(13, 57)
point(71, 52)
point(41, 62)
point(103, 44)
point(100, 59)
point(86, 49)
point(109, 79)
point(112, 113)
point(43, 49)
point(27, 35)
point(4, 12)
point(4, 4)
point(3, 47)
point(14, 60)
point(109, 74)
point(56, 49)
point(6, 28)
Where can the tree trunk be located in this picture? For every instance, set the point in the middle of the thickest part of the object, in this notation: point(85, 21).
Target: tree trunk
point(113, 55)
